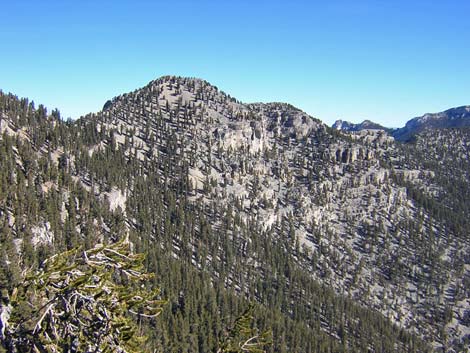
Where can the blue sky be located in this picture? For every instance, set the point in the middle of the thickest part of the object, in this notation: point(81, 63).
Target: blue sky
point(387, 61)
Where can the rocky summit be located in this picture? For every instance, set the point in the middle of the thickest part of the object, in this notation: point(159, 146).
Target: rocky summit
point(272, 204)
point(365, 125)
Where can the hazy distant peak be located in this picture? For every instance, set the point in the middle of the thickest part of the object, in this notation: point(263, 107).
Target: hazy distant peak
point(365, 125)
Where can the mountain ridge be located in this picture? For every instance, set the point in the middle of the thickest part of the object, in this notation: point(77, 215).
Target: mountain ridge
point(357, 212)
point(451, 118)
point(291, 131)
point(457, 117)
point(365, 125)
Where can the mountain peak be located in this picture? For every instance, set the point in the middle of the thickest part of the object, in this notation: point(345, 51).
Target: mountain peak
point(170, 94)
point(190, 170)
point(365, 125)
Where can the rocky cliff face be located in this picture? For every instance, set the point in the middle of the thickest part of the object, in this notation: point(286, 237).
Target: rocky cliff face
point(371, 218)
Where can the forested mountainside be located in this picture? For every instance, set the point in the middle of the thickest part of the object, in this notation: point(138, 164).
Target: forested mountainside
point(346, 241)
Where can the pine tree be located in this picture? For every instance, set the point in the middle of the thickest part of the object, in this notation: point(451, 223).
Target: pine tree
point(82, 301)
point(243, 337)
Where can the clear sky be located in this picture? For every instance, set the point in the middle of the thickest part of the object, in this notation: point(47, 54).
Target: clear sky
point(387, 61)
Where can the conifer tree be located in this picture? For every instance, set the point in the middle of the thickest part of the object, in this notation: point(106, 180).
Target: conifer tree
point(81, 301)
point(243, 337)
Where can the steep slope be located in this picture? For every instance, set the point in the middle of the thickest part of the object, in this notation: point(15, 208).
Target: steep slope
point(270, 202)
point(65, 184)
point(353, 204)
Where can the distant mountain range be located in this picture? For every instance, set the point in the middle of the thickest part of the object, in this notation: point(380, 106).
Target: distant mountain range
point(452, 118)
